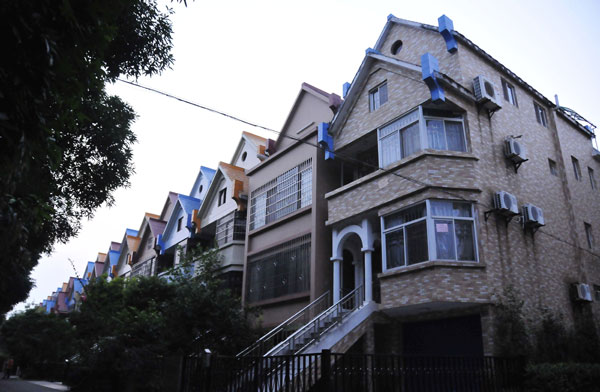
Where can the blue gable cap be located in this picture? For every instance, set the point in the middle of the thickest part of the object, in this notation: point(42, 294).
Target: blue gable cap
point(131, 232)
point(189, 203)
point(208, 172)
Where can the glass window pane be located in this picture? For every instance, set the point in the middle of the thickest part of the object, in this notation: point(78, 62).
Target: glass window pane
point(394, 243)
point(450, 208)
point(464, 240)
point(444, 239)
point(390, 149)
point(410, 140)
point(383, 95)
point(456, 136)
point(416, 243)
point(435, 134)
point(404, 216)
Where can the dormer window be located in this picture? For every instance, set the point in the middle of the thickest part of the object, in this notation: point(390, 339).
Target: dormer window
point(378, 96)
point(179, 224)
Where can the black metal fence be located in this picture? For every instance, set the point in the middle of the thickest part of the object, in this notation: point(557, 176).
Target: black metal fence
point(328, 371)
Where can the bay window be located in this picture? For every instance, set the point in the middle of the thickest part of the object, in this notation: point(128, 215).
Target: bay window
point(421, 128)
point(430, 230)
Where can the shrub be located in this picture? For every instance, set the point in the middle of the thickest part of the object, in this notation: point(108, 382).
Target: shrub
point(563, 377)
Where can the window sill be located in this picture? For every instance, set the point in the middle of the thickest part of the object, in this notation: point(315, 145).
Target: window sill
point(280, 300)
point(401, 163)
point(430, 264)
point(234, 242)
point(280, 221)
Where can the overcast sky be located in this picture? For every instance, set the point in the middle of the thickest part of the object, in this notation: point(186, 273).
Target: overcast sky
point(249, 58)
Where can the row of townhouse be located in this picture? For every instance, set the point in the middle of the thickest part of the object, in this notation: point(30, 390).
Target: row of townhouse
point(439, 181)
point(212, 214)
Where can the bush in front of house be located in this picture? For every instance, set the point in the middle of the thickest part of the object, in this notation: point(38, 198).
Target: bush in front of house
point(563, 377)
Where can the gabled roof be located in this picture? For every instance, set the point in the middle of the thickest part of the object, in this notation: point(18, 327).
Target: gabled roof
point(495, 63)
point(229, 172)
point(360, 78)
point(88, 269)
point(188, 203)
point(333, 100)
point(204, 172)
point(156, 226)
point(254, 140)
point(171, 199)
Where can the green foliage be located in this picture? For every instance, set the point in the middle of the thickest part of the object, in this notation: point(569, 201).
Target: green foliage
point(511, 337)
point(126, 329)
point(552, 339)
point(563, 377)
point(65, 145)
point(37, 340)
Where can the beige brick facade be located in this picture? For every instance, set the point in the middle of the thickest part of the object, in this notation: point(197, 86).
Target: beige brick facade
point(539, 266)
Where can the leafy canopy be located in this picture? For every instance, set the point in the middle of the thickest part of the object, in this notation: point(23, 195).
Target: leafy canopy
point(65, 144)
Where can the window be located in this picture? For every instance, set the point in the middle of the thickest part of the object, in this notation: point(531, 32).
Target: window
point(589, 235)
point(222, 196)
point(553, 169)
point(231, 227)
point(431, 230)
point(445, 134)
point(399, 139)
point(378, 96)
point(279, 271)
point(510, 93)
point(435, 129)
point(592, 177)
point(540, 114)
point(576, 168)
point(179, 224)
point(281, 196)
point(597, 292)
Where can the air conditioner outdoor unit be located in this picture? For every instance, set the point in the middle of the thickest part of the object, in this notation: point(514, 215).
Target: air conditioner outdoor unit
point(582, 292)
point(485, 93)
point(532, 216)
point(506, 203)
point(515, 150)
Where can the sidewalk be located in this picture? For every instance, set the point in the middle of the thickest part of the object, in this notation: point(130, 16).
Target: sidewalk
point(15, 384)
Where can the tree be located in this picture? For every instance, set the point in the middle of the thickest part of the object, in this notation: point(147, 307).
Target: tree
point(65, 144)
point(37, 341)
point(126, 330)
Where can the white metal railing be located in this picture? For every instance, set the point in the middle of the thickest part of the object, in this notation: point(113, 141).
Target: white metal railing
point(318, 326)
point(283, 330)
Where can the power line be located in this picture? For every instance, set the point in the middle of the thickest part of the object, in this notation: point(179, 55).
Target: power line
point(342, 156)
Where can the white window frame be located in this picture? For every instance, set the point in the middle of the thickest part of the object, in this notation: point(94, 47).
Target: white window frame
point(375, 97)
point(423, 136)
point(444, 119)
point(431, 240)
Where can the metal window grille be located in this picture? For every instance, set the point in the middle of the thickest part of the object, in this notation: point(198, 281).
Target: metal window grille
point(142, 269)
point(279, 271)
point(231, 227)
point(281, 196)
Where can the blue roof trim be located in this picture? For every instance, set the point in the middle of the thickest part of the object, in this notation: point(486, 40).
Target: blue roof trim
point(131, 232)
point(446, 28)
point(345, 89)
point(189, 203)
point(429, 67)
point(113, 257)
point(325, 140)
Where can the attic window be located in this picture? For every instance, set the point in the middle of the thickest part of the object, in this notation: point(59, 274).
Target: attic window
point(396, 47)
point(200, 189)
point(244, 155)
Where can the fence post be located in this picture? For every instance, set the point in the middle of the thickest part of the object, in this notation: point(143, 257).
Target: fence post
point(325, 370)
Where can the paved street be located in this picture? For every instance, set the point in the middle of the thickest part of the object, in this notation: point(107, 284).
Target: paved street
point(17, 385)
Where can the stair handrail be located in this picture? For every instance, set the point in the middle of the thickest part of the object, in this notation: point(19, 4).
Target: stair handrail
point(259, 344)
point(356, 300)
